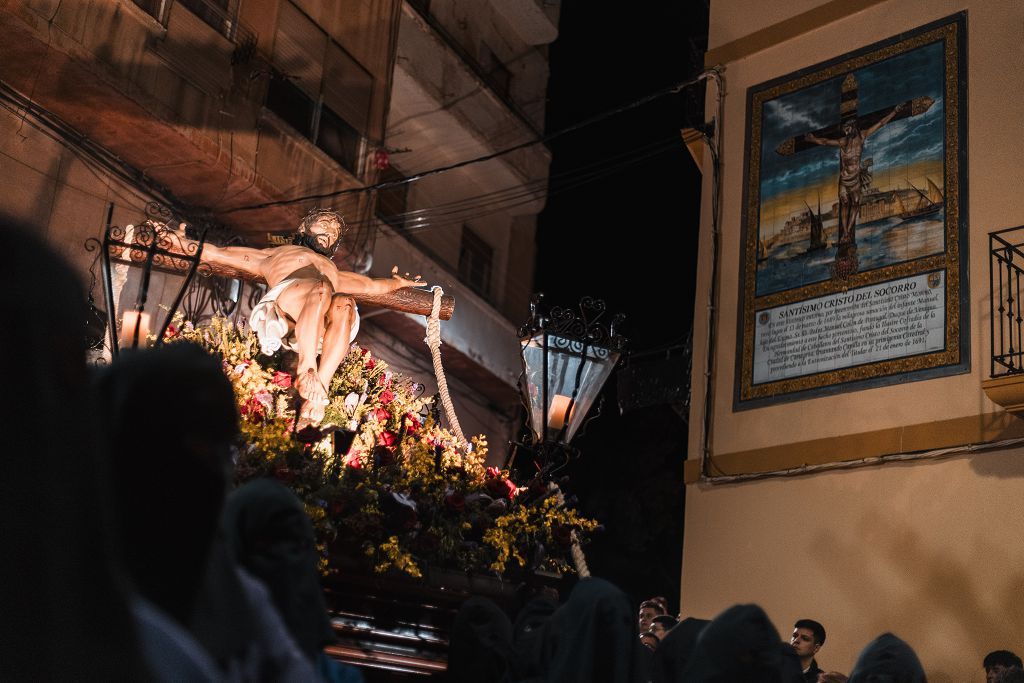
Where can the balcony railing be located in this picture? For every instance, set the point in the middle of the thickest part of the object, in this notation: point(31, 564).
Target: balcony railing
point(1006, 264)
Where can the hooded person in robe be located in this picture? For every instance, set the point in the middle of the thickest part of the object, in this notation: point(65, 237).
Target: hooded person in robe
point(592, 638)
point(887, 659)
point(741, 645)
point(268, 533)
point(65, 601)
point(480, 649)
point(171, 425)
point(675, 650)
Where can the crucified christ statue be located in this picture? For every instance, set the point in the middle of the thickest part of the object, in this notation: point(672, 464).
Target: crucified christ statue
point(851, 145)
point(849, 135)
point(308, 306)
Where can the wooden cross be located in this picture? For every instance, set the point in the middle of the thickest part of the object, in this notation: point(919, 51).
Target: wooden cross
point(170, 243)
point(848, 112)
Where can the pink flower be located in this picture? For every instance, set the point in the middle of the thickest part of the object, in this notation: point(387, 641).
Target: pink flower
point(281, 379)
point(386, 396)
point(352, 460)
point(381, 414)
point(264, 398)
point(493, 472)
point(387, 438)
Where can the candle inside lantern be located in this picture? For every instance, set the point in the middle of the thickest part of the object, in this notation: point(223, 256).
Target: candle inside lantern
point(556, 415)
point(129, 321)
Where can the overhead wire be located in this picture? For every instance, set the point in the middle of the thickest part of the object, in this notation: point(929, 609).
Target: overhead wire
point(480, 159)
point(458, 218)
point(424, 218)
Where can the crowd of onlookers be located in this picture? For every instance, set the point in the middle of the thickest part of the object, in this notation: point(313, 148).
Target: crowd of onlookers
point(594, 637)
point(887, 659)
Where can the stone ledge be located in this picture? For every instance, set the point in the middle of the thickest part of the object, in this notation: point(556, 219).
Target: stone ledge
point(1007, 391)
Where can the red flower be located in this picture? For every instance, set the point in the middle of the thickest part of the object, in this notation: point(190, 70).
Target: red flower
point(388, 439)
point(370, 363)
point(172, 331)
point(381, 414)
point(500, 488)
point(386, 397)
point(413, 423)
point(493, 472)
point(253, 410)
point(352, 460)
point(281, 379)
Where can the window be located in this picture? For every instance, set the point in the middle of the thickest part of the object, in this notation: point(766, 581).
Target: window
point(154, 8)
point(319, 89)
point(220, 14)
point(475, 259)
point(393, 202)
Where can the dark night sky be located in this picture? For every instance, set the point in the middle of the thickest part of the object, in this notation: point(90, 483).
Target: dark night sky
point(628, 238)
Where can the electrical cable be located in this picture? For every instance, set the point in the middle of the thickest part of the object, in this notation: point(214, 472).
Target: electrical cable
point(486, 157)
point(535, 190)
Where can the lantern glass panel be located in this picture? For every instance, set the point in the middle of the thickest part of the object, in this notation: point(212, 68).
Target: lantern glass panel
point(573, 382)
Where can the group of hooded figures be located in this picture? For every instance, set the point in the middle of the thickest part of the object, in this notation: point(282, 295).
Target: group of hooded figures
point(592, 638)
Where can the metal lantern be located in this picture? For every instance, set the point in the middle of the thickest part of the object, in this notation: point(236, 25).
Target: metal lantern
point(151, 244)
point(567, 357)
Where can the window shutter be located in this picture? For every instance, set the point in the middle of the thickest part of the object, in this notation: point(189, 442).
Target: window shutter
point(348, 88)
point(299, 49)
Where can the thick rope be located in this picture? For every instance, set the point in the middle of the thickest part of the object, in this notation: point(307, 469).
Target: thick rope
point(575, 551)
point(578, 558)
point(433, 340)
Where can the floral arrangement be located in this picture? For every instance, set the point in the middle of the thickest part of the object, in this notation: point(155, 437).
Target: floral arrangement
point(380, 478)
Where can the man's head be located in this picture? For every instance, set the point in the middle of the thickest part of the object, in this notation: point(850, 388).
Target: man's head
point(648, 610)
point(849, 127)
point(321, 230)
point(808, 637)
point(997, 662)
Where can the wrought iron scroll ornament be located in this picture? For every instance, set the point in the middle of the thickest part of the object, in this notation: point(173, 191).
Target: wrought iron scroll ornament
point(578, 329)
point(153, 243)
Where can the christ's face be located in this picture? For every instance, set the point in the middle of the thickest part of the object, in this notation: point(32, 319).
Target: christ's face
point(327, 230)
point(849, 129)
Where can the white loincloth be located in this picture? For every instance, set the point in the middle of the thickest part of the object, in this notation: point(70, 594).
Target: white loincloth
point(271, 325)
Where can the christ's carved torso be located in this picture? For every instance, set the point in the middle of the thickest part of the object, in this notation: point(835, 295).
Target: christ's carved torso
point(850, 149)
point(291, 260)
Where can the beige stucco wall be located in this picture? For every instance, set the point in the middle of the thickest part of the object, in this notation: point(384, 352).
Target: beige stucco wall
point(927, 550)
